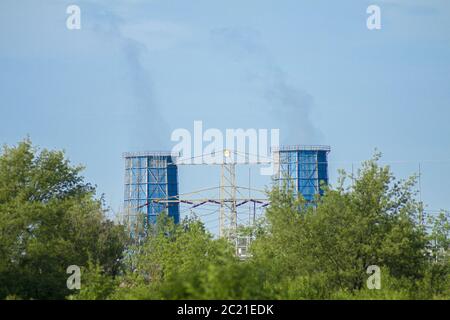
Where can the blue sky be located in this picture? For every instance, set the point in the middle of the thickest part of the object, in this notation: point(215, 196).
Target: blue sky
point(137, 70)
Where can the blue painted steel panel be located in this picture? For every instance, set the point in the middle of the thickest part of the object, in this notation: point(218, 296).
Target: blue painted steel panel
point(305, 168)
point(149, 177)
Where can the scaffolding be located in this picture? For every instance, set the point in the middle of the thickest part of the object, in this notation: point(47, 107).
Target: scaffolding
point(228, 213)
point(151, 186)
point(149, 176)
point(303, 168)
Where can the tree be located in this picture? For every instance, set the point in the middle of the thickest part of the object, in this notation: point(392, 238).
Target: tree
point(440, 237)
point(49, 220)
point(436, 282)
point(328, 247)
point(185, 262)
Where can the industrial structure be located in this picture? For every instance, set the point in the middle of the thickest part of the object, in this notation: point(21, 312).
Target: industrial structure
point(150, 176)
point(151, 187)
point(304, 168)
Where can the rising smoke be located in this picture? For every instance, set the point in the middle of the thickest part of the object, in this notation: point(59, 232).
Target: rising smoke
point(287, 107)
point(146, 128)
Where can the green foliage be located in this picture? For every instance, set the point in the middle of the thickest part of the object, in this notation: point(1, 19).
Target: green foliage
point(185, 262)
point(49, 220)
point(440, 237)
point(316, 251)
point(303, 251)
point(96, 284)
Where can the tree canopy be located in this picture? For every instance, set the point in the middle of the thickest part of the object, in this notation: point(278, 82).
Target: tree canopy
point(50, 218)
point(302, 251)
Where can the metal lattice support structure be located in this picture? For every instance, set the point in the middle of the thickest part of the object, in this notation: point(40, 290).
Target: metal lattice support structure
point(304, 168)
point(149, 176)
point(151, 186)
point(228, 202)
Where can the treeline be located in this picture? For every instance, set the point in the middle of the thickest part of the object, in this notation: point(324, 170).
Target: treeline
point(50, 219)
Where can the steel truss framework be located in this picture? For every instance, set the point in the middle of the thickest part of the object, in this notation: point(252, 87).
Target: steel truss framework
point(228, 209)
point(305, 166)
point(149, 175)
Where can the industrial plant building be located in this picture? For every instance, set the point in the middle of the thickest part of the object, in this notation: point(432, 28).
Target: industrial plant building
point(150, 176)
point(151, 179)
point(303, 168)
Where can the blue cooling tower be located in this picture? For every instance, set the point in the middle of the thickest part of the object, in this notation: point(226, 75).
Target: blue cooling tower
point(306, 167)
point(149, 177)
